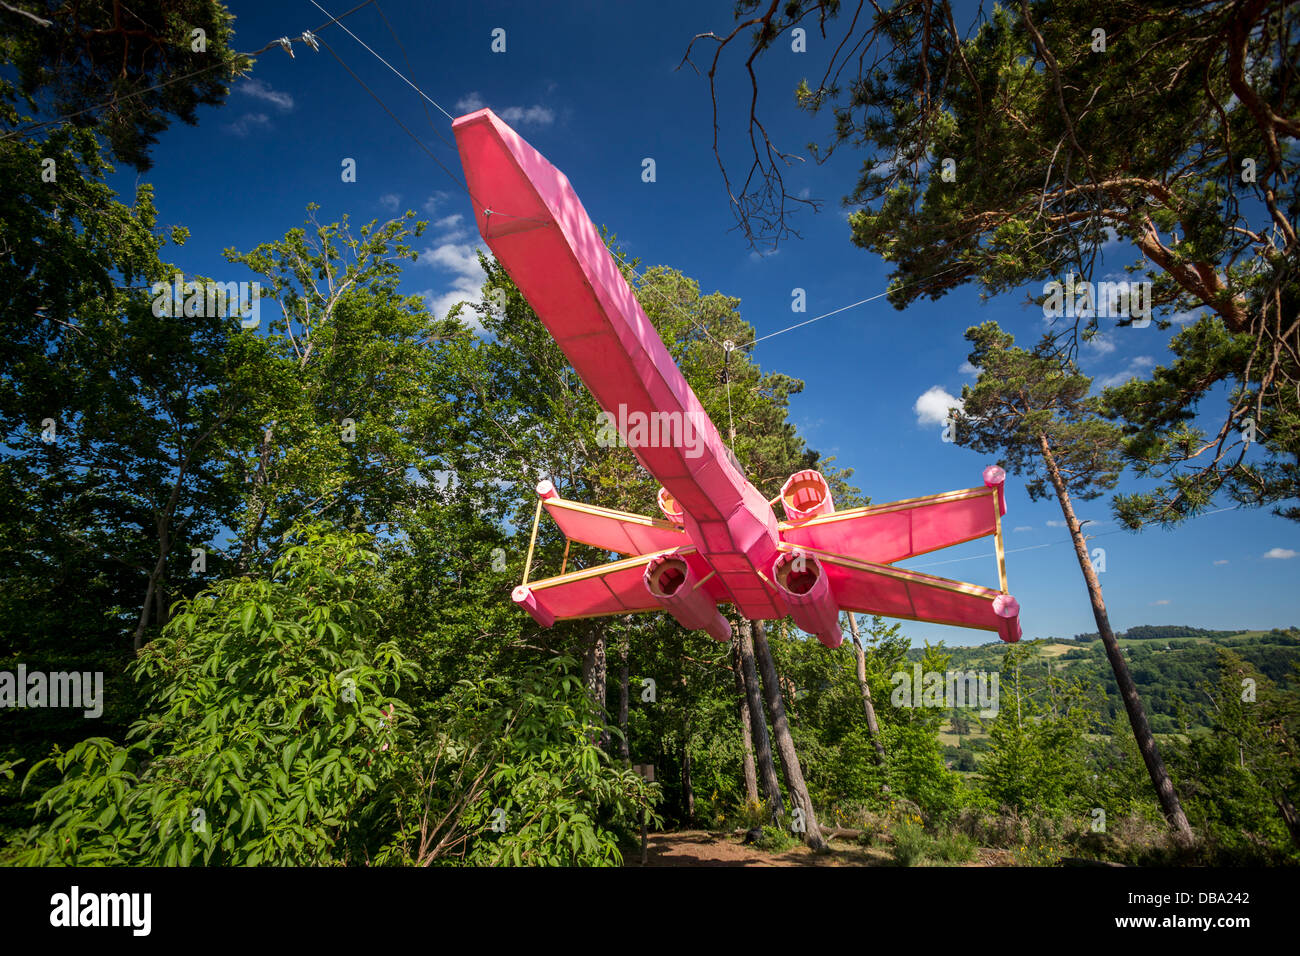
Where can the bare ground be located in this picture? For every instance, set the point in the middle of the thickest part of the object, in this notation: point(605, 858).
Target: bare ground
point(705, 848)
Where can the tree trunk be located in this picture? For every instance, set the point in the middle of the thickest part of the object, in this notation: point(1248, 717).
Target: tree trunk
point(593, 675)
point(1137, 716)
point(137, 639)
point(688, 792)
point(746, 734)
point(794, 781)
point(754, 700)
point(1287, 809)
point(622, 704)
point(873, 728)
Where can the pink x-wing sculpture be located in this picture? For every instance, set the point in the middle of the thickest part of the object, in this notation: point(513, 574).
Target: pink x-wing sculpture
point(720, 541)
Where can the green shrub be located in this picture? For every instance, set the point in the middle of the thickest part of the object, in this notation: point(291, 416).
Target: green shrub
point(954, 848)
point(274, 735)
point(911, 844)
point(775, 840)
point(755, 814)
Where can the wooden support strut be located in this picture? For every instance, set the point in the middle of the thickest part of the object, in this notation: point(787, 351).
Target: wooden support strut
point(532, 541)
point(997, 540)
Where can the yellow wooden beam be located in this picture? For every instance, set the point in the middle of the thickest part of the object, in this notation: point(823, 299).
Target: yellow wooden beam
point(532, 541)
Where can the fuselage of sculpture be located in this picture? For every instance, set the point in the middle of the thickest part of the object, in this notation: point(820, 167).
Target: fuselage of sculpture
point(720, 541)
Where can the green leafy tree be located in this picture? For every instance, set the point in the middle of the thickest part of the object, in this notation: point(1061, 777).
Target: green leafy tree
point(349, 411)
point(1038, 759)
point(125, 73)
point(272, 725)
point(1243, 774)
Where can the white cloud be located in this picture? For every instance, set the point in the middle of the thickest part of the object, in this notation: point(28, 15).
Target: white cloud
point(435, 202)
point(536, 115)
point(1220, 562)
point(246, 124)
point(1101, 344)
point(390, 201)
point(456, 253)
point(1183, 318)
point(1136, 365)
point(1023, 527)
point(967, 369)
point(1280, 554)
point(933, 406)
point(1162, 601)
point(1057, 524)
point(263, 91)
point(528, 115)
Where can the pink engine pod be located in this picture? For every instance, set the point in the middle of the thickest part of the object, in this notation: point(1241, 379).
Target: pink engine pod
point(523, 596)
point(1008, 608)
point(669, 506)
point(805, 495)
point(995, 477)
point(673, 584)
point(802, 582)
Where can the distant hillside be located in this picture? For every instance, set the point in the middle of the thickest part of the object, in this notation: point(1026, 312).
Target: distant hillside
point(1159, 632)
point(1168, 674)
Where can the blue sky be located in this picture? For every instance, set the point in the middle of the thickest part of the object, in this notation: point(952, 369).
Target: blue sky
point(594, 86)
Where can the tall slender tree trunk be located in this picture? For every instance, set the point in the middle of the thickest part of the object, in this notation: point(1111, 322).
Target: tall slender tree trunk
point(746, 733)
point(688, 791)
point(594, 676)
point(1137, 716)
point(754, 701)
point(794, 781)
point(873, 728)
point(624, 750)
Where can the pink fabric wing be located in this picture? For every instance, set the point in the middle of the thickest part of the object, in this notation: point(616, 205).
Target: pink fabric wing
point(616, 588)
point(893, 592)
point(612, 530)
point(883, 534)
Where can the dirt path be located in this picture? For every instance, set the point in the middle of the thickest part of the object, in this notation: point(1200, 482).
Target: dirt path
point(704, 848)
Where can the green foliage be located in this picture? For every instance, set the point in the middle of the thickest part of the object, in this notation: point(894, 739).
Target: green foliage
point(563, 802)
point(1038, 758)
point(1242, 778)
point(775, 840)
point(954, 847)
point(1139, 141)
point(276, 736)
point(272, 724)
point(1027, 404)
point(754, 815)
point(1257, 450)
point(911, 844)
point(119, 70)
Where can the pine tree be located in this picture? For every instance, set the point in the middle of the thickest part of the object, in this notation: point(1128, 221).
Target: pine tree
point(1033, 409)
